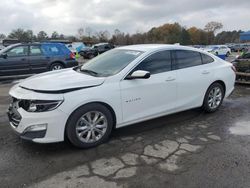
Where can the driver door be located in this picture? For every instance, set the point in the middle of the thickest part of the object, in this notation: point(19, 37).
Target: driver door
point(16, 61)
point(155, 96)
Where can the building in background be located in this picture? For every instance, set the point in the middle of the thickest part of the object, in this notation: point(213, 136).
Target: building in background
point(245, 37)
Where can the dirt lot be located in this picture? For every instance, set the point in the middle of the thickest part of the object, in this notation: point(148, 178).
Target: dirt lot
point(188, 149)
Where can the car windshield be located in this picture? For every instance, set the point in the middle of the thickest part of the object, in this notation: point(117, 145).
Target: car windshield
point(109, 63)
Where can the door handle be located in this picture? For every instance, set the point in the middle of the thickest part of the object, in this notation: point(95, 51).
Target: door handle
point(205, 72)
point(23, 59)
point(170, 79)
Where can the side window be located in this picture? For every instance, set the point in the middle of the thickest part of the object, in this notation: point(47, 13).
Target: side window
point(187, 58)
point(206, 59)
point(156, 63)
point(35, 50)
point(18, 51)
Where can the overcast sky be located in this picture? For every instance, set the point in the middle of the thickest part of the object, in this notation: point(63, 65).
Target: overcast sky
point(66, 16)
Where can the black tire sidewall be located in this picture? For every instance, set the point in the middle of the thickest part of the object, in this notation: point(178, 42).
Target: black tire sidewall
point(74, 117)
point(205, 106)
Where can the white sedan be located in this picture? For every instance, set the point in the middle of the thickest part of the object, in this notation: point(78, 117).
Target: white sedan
point(123, 86)
point(219, 50)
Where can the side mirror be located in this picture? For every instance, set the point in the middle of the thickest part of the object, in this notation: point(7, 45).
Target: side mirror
point(139, 74)
point(4, 55)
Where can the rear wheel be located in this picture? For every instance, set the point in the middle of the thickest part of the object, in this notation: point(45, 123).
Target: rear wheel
point(213, 98)
point(56, 66)
point(89, 126)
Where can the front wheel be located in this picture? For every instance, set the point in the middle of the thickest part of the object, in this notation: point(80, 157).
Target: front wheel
point(89, 126)
point(213, 98)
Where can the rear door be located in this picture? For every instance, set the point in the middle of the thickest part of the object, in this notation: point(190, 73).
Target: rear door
point(37, 58)
point(16, 62)
point(194, 77)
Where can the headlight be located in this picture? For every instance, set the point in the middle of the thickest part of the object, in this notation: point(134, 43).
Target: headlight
point(40, 105)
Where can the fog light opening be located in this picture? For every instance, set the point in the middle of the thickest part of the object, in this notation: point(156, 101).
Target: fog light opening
point(39, 127)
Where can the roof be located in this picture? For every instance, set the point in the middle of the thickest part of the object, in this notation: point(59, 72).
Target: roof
point(153, 47)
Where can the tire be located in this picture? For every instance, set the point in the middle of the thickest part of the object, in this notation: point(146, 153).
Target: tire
point(56, 66)
point(79, 130)
point(211, 102)
point(228, 54)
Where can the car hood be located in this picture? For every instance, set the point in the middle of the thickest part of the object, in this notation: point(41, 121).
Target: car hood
point(60, 81)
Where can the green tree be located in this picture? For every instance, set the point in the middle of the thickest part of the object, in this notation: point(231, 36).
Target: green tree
point(22, 35)
point(42, 35)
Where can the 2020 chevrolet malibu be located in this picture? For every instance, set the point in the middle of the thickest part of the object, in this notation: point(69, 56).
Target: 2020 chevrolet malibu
point(123, 86)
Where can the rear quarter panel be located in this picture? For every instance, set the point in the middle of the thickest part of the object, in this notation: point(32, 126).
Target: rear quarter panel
point(225, 73)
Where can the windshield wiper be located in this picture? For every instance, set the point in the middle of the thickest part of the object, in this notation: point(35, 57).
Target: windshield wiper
point(89, 71)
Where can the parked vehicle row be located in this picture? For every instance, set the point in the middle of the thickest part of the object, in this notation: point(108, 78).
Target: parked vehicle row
point(239, 47)
point(123, 86)
point(35, 58)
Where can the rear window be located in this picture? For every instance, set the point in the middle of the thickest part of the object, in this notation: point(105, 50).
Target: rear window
point(53, 49)
point(206, 59)
point(187, 58)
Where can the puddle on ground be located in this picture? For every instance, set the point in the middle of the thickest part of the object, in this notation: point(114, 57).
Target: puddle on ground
point(241, 128)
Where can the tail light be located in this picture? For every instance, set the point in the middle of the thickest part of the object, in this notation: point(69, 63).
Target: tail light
point(72, 55)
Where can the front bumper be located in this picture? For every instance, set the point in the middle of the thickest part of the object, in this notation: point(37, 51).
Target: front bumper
point(21, 121)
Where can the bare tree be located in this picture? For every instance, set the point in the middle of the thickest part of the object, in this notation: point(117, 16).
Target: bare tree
point(213, 26)
point(103, 36)
point(88, 31)
point(80, 32)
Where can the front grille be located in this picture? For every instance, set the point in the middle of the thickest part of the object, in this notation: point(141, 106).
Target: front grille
point(13, 114)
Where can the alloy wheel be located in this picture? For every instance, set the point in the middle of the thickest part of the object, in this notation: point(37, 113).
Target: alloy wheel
point(91, 127)
point(214, 97)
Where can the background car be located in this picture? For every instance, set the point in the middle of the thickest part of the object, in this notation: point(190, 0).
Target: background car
point(76, 47)
point(88, 53)
point(218, 50)
point(96, 49)
point(242, 63)
point(239, 47)
point(35, 58)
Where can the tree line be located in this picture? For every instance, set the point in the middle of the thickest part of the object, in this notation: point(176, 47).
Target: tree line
point(166, 34)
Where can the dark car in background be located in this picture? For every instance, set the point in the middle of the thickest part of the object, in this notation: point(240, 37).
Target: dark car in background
point(88, 53)
point(96, 49)
point(242, 63)
point(33, 58)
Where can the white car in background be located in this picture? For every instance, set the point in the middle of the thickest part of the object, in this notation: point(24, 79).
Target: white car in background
point(121, 87)
point(218, 50)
